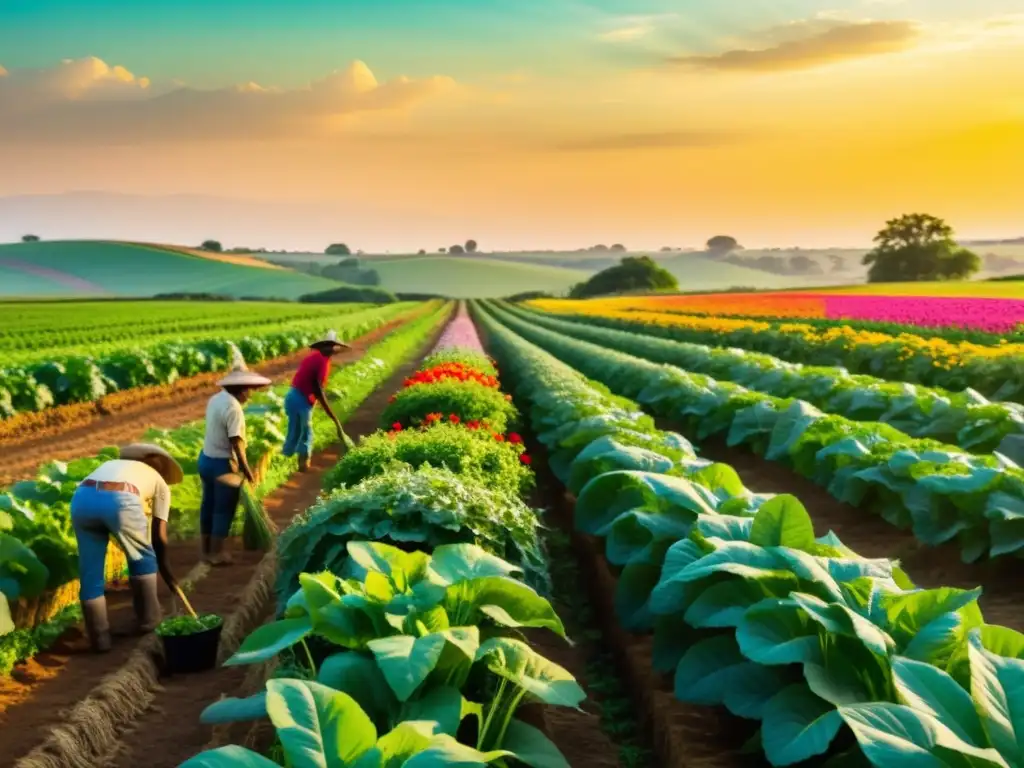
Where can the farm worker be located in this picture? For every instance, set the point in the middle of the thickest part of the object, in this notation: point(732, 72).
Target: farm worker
point(113, 501)
point(222, 463)
point(308, 390)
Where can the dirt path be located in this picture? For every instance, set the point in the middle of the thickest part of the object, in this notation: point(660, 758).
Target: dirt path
point(83, 429)
point(39, 694)
point(869, 535)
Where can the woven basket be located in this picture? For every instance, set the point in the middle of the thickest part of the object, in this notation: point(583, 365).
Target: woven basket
point(28, 614)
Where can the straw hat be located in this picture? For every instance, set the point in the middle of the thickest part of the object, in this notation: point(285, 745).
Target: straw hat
point(157, 458)
point(241, 376)
point(332, 339)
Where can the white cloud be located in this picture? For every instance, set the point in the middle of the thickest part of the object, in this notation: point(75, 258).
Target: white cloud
point(88, 100)
point(625, 34)
point(624, 29)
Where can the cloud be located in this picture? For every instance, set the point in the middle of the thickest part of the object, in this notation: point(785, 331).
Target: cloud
point(663, 140)
point(626, 29)
point(89, 101)
point(809, 44)
point(624, 34)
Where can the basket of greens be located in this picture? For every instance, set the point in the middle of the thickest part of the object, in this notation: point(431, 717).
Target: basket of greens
point(190, 643)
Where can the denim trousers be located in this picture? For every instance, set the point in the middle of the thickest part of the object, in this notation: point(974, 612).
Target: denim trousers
point(220, 501)
point(300, 424)
point(97, 516)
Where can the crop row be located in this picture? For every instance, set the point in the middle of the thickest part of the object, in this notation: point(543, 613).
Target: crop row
point(940, 492)
point(38, 545)
point(965, 419)
point(33, 330)
point(995, 371)
point(751, 611)
point(403, 593)
point(67, 379)
point(975, 319)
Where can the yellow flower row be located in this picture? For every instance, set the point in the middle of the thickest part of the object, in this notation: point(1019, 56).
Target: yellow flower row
point(941, 352)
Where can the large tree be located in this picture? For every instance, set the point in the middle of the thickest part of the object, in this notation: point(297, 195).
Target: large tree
point(632, 274)
point(337, 249)
point(470, 246)
point(456, 249)
point(918, 247)
point(722, 244)
point(30, 238)
point(212, 245)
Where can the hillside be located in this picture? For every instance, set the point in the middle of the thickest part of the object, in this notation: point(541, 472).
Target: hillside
point(504, 274)
point(103, 268)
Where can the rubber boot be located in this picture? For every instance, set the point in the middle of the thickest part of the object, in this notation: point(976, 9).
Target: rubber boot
point(146, 602)
point(219, 554)
point(204, 556)
point(303, 463)
point(97, 627)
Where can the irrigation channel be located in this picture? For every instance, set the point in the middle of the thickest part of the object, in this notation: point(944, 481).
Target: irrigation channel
point(68, 708)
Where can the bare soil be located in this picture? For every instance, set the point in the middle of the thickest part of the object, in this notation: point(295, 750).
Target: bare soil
point(83, 429)
point(40, 692)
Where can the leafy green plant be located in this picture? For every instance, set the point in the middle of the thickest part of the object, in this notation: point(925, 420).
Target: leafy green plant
point(177, 626)
point(472, 454)
point(469, 401)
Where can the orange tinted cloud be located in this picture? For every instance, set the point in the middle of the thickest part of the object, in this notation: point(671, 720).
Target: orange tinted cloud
point(89, 101)
point(839, 41)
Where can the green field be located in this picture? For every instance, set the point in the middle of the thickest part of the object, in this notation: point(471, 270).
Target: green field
point(100, 268)
point(505, 274)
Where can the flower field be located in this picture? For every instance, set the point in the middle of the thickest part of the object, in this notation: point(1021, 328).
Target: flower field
point(994, 370)
point(991, 315)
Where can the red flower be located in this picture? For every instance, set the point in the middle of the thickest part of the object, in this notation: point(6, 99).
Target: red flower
point(392, 399)
point(454, 419)
point(397, 426)
point(524, 458)
point(508, 398)
point(472, 424)
point(513, 437)
point(499, 438)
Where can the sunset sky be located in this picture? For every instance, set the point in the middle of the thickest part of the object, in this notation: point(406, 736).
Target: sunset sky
point(530, 123)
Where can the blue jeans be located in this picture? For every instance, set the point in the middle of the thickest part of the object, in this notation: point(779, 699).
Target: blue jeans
point(220, 501)
point(96, 516)
point(300, 424)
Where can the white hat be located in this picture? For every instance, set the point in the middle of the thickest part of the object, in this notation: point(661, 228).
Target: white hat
point(240, 375)
point(330, 338)
point(156, 457)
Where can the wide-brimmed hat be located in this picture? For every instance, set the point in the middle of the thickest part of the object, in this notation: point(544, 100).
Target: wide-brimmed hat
point(241, 376)
point(156, 457)
point(331, 339)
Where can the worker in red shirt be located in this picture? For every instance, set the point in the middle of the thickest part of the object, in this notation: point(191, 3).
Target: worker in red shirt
point(307, 390)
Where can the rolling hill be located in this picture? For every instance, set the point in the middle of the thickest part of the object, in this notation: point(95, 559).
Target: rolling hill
point(87, 268)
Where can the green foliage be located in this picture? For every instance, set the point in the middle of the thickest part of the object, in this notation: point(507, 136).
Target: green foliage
point(337, 249)
point(632, 274)
point(347, 293)
point(212, 245)
point(722, 244)
point(30, 238)
point(474, 455)
point(469, 401)
point(177, 626)
point(916, 247)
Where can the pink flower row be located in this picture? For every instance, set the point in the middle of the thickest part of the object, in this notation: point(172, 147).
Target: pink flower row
point(460, 333)
point(992, 315)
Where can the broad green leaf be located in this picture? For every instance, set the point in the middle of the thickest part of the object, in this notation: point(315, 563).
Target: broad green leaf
point(725, 604)
point(452, 563)
point(229, 757)
point(235, 710)
point(407, 661)
point(509, 603)
point(777, 631)
point(442, 705)
point(357, 674)
point(6, 622)
point(895, 735)
point(269, 640)
point(515, 661)
point(446, 752)
point(928, 689)
point(531, 747)
point(997, 687)
point(783, 522)
point(798, 726)
point(401, 566)
point(318, 726)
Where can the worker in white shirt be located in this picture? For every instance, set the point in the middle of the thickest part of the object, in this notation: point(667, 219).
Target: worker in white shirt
point(113, 502)
point(222, 463)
